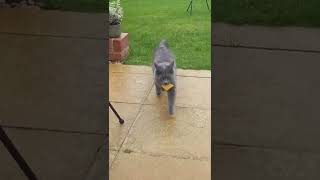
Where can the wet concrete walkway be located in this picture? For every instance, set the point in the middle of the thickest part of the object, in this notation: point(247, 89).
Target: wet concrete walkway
point(152, 145)
point(266, 102)
point(53, 80)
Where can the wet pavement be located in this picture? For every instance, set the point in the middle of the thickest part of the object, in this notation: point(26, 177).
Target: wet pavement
point(266, 101)
point(151, 144)
point(53, 74)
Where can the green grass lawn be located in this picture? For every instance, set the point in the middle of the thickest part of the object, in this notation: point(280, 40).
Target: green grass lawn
point(147, 22)
point(268, 12)
point(259, 12)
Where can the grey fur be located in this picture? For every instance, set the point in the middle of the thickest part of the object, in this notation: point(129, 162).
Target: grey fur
point(164, 71)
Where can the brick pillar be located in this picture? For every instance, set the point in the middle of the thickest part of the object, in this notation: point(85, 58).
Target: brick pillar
point(118, 48)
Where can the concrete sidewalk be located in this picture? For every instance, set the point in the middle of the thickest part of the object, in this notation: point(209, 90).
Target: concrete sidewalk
point(150, 144)
point(266, 101)
point(53, 84)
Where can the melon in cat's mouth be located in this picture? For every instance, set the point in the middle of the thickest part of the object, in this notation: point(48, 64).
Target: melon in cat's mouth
point(167, 87)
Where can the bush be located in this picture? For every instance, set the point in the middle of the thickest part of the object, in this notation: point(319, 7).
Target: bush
point(115, 13)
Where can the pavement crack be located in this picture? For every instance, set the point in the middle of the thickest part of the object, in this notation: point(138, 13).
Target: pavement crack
point(265, 48)
point(53, 36)
point(95, 158)
point(119, 102)
point(133, 123)
point(153, 154)
point(203, 77)
point(53, 130)
point(263, 148)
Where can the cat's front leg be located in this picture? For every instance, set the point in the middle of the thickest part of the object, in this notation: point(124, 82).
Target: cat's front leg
point(171, 100)
point(158, 90)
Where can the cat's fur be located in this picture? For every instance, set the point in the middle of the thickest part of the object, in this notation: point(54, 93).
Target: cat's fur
point(164, 72)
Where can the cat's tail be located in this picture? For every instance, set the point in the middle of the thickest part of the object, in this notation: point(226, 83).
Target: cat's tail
point(164, 43)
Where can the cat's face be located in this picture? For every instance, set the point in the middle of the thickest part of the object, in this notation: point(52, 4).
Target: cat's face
point(164, 73)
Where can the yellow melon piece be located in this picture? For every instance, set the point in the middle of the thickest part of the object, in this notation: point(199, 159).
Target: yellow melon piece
point(167, 87)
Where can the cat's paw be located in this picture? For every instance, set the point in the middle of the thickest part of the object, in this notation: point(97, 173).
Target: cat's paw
point(158, 91)
point(171, 110)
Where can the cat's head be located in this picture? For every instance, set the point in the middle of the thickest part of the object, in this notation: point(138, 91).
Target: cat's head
point(165, 72)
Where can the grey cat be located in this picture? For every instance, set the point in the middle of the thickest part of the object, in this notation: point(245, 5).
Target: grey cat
point(164, 72)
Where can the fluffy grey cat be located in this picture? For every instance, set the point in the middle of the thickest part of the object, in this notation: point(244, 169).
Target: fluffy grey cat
point(164, 72)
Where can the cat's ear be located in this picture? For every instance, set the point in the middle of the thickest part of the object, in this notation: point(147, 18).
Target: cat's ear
point(171, 64)
point(156, 66)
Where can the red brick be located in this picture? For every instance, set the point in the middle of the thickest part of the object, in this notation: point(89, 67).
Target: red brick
point(120, 43)
point(119, 56)
point(118, 48)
